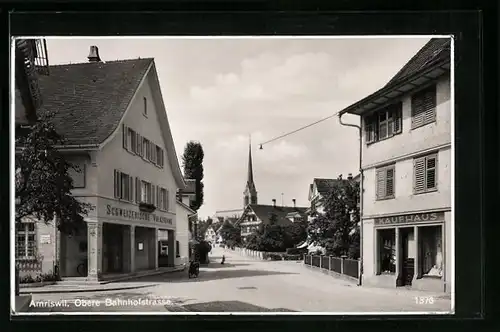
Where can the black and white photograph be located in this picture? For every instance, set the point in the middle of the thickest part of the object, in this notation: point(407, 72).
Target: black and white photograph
point(232, 175)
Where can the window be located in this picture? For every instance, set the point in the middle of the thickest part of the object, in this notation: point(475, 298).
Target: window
point(423, 107)
point(159, 156)
point(387, 251)
point(146, 149)
point(431, 261)
point(384, 123)
point(425, 174)
point(77, 175)
point(25, 240)
point(123, 186)
point(146, 192)
point(145, 106)
point(132, 143)
point(385, 182)
point(139, 149)
point(163, 199)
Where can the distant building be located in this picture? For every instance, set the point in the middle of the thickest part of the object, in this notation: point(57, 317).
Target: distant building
point(407, 160)
point(223, 215)
point(210, 235)
point(256, 215)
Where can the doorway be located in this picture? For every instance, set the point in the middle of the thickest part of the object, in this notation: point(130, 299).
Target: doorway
point(113, 248)
point(408, 254)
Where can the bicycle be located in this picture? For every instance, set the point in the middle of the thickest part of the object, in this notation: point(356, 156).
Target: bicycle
point(82, 268)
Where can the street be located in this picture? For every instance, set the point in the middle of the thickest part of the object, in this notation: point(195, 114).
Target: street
point(243, 284)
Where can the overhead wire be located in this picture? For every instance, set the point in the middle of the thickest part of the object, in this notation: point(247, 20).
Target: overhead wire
point(299, 129)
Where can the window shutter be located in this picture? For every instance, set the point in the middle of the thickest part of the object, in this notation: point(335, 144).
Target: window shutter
point(389, 176)
point(397, 119)
point(131, 189)
point(137, 190)
point(153, 190)
point(430, 176)
point(419, 170)
point(381, 183)
point(158, 197)
point(125, 140)
point(424, 107)
point(167, 201)
point(116, 181)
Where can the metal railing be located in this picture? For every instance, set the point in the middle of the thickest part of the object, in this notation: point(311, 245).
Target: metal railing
point(340, 265)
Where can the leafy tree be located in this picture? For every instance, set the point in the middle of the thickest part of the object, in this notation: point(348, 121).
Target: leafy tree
point(231, 235)
point(43, 185)
point(295, 233)
point(337, 228)
point(192, 161)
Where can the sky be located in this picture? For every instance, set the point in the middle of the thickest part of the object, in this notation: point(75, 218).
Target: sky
point(221, 91)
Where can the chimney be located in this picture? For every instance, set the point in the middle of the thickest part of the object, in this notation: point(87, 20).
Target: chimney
point(294, 201)
point(94, 54)
point(274, 202)
point(349, 176)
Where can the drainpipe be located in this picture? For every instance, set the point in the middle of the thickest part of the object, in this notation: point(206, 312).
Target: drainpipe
point(361, 180)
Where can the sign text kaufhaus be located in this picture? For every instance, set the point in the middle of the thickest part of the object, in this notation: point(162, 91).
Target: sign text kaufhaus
point(136, 215)
point(410, 218)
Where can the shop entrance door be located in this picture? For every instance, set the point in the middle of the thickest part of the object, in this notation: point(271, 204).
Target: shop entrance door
point(407, 256)
point(114, 247)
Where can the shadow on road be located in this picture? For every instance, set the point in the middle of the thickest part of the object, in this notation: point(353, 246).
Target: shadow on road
point(218, 265)
point(230, 306)
point(207, 275)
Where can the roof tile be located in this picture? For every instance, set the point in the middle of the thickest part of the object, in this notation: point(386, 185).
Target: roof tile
point(91, 98)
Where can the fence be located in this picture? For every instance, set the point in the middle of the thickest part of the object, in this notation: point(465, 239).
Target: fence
point(342, 266)
point(275, 256)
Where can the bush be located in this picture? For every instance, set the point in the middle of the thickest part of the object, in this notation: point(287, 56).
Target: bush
point(292, 257)
point(296, 251)
point(28, 279)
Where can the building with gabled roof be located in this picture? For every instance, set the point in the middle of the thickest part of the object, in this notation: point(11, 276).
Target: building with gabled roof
point(406, 156)
point(115, 123)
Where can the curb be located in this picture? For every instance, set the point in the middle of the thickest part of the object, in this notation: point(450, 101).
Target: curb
point(95, 289)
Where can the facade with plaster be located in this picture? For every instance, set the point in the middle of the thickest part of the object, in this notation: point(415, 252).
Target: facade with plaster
point(407, 161)
point(115, 123)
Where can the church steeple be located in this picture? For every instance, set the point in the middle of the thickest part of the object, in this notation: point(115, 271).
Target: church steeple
point(250, 194)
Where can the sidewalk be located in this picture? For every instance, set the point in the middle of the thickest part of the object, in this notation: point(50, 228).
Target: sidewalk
point(107, 285)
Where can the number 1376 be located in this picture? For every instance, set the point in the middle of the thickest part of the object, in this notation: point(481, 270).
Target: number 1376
point(424, 299)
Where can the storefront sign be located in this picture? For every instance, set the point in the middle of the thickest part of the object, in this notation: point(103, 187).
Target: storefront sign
point(136, 215)
point(410, 218)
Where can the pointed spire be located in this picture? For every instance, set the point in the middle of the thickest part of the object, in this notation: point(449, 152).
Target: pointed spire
point(250, 168)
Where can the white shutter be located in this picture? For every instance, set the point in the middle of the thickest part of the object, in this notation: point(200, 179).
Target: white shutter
point(419, 172)
point(389, 177)
point(423, 107)
point(430, 172)
point(381, 183)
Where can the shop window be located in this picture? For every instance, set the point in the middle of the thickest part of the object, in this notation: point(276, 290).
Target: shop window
point(25, 240)
point(423, 107)
point(431, 253)
point(387, 251)
point(425, 170)
point(385, 182)
point(384, 123)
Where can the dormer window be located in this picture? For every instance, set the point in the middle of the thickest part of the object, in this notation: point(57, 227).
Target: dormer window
point(384, 123)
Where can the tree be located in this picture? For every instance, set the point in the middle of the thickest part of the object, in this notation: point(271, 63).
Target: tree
point(337, 228)
point(295, 233)
point(43, 185)
point(192, 161)
point(230, 234)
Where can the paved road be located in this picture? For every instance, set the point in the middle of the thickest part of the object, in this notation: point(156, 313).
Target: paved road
point(245, 284)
